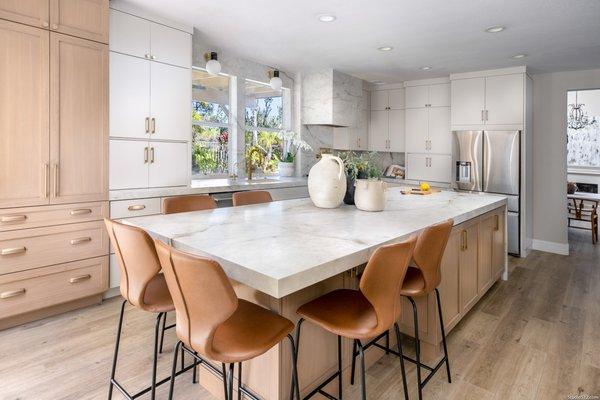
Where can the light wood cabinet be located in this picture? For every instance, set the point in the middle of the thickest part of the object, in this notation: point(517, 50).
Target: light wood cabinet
point(24, 116)
point(499, 242)
point(450, 283)
point(468, 260)
point(486, 233)
point(36, 217)
point(29, 12)
point(87, 19)
point(79, 120)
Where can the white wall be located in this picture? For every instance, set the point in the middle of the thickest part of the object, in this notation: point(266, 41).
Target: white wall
point(549, 151)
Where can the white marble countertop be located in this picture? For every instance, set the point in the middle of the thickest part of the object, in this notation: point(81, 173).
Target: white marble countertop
point(202, 186)
point(285, 246)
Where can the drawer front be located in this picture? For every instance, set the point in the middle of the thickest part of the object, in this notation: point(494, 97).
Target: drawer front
point(36, 217)
point(134, 208)
point(33, 248)
point(43, 287)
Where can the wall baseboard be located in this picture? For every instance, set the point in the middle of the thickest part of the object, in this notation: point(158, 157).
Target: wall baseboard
point(550, 247)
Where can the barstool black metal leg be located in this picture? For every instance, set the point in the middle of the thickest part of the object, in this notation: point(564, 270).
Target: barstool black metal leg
point(230, 381)
point(296, 345)
point(114, 363)
point(174, 368)
point(363, 383)
point(239, 386)
point(155, 360)
point(295, 381)
point(225, 381)
point(195, 377)
point(387, 342)
point(402, 369)
point(162, 334)
point(437, 295)
point(353, 362)
point(339, 346)
point(417, 346)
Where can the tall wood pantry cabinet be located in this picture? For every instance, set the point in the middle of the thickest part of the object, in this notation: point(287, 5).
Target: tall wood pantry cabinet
point(53, 156)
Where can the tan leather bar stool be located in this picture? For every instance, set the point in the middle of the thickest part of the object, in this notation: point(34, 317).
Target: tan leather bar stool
point(365, 313)
point(179, 204)
point(213, 323)
point(143, 287)
point(423, 278)
point(251, 197)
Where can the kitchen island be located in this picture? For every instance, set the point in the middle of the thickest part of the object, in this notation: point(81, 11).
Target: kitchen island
point(283, 254)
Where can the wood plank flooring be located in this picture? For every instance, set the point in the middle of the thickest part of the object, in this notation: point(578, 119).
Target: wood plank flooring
point(536, 336)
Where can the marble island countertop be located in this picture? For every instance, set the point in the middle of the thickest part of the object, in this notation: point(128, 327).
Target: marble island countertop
point(282, 247)
point(203, 186)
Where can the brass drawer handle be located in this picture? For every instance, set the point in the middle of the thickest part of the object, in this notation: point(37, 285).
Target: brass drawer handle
point(13, 250)
point(497, 221)
point(80, 278)
point(81, 211)
point(81, 240)
point(46, 180)
point(153, 125)
point(147, 121)
point(136, 207)
point(464, 245)
point(13, 218)
point(12, 293)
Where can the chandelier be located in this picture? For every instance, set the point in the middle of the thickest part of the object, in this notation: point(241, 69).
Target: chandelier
point(578, 119)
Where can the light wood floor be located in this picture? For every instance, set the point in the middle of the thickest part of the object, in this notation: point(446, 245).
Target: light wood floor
point(536, 336)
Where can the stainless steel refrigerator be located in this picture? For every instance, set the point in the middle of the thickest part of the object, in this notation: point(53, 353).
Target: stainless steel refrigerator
point(489, 161)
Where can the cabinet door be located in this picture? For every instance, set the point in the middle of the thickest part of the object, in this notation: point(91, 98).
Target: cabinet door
point(378, 131)
point(440, 136)
point(440, 166)
point(342, 139)
point(416, 166)
point(87, 19)
point(450, 285)
point(468, 265)
point(79, 119)
point(396, 131)
point(417, 96)
point(439, 95)
point(484, 270)
point(468, 101)
point(129, 96)
point(170, 46)
point(24, 134)
point(416, 130)
point(169, 164)
point(170, 102)
point(379, 100)
point(396, 99)
point(129, 34)
point(30, 12)
point(498, 247)
point(504, 99)
point(128, 164)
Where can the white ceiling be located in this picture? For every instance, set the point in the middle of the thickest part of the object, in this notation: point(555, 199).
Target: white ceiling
point(449, 35)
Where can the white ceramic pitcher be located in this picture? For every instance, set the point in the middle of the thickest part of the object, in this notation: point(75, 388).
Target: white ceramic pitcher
point(327, 182)
point(369, 194)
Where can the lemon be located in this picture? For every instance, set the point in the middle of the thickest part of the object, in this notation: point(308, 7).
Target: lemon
point(425, 186)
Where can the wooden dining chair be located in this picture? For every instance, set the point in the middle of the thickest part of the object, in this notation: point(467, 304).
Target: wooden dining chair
point(585, 211)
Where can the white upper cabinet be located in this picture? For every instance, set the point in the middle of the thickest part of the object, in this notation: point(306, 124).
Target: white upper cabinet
point(396, 131)
point(379, 100)
point(386, 128)
point(396, 99)
point(468, 101)
point(417, 130)
point(129, 34)
point(378, 138)
point(434, 95)
point(129, 96)
point(417, 96)
point(170, 46)
point(170, 102)
point(439, 95)
point(504, 96)
point(440, 137)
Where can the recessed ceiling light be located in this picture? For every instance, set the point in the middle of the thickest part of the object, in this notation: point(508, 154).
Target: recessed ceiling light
point(327, 17)
point(425, 68)
point(385, 48)
point(518, 56)
point(495, 29)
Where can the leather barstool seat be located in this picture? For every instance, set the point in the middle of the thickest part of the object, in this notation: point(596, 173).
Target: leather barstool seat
point(365, 313)
point(214, 324)
point(251, 197)
point(179, 204)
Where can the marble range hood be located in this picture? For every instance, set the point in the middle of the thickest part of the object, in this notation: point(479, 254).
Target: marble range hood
point(331, 98)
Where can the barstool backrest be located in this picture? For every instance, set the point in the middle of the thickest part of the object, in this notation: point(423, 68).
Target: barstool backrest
point(429, 251)
point(172, 205)
point(137, 259)
point(202, 294)
point(251, 197)
point(382, 280)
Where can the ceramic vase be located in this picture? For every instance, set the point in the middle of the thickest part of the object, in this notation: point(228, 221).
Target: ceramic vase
point(327, 182)
point(369, 194)
point(286, 169)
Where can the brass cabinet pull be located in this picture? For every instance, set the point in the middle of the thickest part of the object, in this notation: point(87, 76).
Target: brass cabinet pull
point(45, 24)
point(464, 245)
point(13, 250)
point(13, 218)
point(145, 155)
point(55, 26)
point(56, 189)
point(151, 155)
point(80, 240)
point(46, 180)
point(12, 293)
point(147, 124)
point(497, 222)
point(136, 207)
point(153, 125)
point(81, 211)
point(81, 278)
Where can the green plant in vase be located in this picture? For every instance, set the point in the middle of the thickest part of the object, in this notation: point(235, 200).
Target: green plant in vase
point(358, 166)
